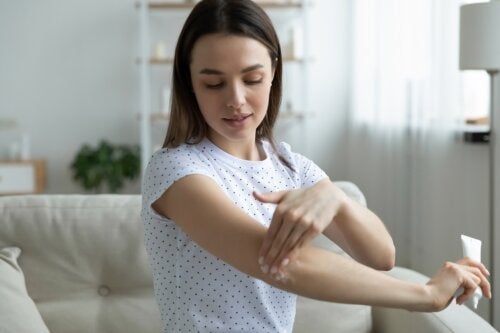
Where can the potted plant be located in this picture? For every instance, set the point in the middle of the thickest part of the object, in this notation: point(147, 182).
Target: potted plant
point(107, 165)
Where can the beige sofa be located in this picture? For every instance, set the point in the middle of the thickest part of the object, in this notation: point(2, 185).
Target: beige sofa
point(76, 263)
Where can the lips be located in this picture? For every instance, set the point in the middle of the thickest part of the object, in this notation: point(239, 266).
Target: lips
point(237, 120)
point(239, 117)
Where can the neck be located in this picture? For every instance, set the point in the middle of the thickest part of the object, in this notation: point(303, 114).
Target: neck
point(245, 149)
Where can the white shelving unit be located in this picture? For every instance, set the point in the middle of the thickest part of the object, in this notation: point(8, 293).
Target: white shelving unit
point(287, 16)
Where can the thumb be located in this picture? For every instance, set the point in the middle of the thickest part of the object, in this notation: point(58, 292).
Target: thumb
point(270, 197)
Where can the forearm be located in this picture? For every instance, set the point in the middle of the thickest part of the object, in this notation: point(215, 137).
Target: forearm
point(361, 233)
point(323, 275)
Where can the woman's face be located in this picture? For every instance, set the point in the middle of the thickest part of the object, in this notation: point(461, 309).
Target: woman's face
point(231, 77)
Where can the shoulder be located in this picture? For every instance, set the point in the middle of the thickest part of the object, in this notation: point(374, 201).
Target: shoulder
point(304, 168)
point(177, 157)
point(168, 165)
point(295, 159)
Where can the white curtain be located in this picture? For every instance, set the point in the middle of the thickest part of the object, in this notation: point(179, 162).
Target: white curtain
point(407, 111)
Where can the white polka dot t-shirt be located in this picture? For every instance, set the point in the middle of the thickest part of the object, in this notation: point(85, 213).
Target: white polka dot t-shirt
point(196, 291)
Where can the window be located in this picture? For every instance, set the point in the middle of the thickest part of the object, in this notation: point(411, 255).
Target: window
point(475, 96)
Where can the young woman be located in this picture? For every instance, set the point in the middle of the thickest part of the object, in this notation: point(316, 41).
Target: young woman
point(229, 215)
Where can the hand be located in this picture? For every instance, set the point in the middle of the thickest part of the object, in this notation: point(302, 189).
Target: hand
point(465, 273)
point(300, 216)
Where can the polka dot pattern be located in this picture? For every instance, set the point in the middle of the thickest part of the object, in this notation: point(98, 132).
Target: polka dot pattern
point(196, 291)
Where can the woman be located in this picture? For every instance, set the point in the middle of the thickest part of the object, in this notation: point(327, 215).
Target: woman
point(229, 215)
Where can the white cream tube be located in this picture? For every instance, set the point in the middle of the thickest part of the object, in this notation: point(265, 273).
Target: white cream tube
point(471, 248)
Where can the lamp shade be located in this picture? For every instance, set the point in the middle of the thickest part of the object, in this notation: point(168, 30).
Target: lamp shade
point(480, 36)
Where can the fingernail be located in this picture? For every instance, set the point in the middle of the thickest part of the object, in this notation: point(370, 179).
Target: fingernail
point(264, 269)
point(285, 262)
point(261, 261)
point(488, 272)
point(274, 270)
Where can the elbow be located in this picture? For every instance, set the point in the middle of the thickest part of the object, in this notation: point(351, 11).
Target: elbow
point(386, 260)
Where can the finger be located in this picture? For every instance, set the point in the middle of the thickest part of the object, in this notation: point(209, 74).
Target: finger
point(308, 236)
point(269, 238)
point(290, 252)
point(470, 262)
point(484, 284)
point(274, 227)
point(291, 245)
point(278, 244)
point(481, 279)
point(270, 197)
point(465, 296)
point(470, 283)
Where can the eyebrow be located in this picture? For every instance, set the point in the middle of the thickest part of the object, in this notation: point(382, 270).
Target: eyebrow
point(210, 71)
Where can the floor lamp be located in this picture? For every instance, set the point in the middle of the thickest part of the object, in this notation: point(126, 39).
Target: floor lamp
point(480, 50)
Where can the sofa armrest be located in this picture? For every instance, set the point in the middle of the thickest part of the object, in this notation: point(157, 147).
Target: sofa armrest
point(455, 318)
point(352, 191)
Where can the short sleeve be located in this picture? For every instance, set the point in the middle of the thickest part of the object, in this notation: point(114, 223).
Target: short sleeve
point(308, 173)
point(166, 167)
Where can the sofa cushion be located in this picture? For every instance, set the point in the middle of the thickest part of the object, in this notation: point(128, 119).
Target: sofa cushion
point(84, 261)
point(19, 312)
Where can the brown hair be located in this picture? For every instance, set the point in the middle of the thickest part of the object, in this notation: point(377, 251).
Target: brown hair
point(235, 17)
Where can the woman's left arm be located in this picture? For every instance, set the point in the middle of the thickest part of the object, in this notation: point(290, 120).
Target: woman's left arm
point(359, 232)
point(302, 214)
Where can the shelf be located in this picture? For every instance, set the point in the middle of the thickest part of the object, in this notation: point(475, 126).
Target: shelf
point(189, 5)
point(168, 61)
point(22, 177)
point(475, 133)
point(478, 121)
point(156, 116)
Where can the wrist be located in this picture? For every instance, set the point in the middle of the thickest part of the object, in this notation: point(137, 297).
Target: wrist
point(345, 205)
point(423, 300)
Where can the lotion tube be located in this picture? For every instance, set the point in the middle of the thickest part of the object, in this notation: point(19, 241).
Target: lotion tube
point(471, 248)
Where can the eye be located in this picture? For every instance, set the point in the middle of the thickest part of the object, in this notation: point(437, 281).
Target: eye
point(214, 85)
point(252, 82)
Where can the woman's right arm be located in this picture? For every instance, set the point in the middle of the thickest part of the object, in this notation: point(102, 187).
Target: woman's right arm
point(208, 216)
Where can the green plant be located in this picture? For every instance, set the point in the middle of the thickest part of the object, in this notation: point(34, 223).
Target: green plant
point(107, 164)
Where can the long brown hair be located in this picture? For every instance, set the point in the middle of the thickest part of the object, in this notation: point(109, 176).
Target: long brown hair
point(235, 17)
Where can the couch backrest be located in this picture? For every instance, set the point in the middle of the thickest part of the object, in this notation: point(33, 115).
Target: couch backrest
point(84, 261)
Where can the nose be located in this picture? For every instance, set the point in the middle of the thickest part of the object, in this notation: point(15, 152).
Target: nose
point(235, 96)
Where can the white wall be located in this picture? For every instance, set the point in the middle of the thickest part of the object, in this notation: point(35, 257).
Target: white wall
point(68, 75)
point(330, 81)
